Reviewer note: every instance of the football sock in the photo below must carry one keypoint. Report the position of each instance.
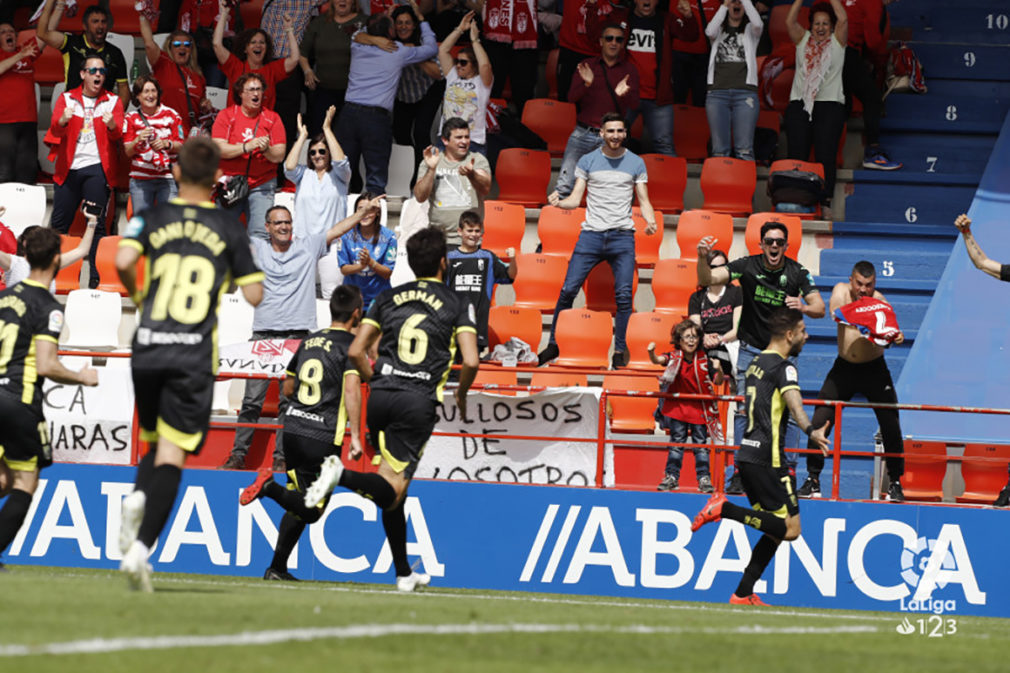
(293, 501)
(144, 469)
(13, 515)
(287, 537)
(766, 522)
(161, 492)
(370, 485)
(760, 557)
(395, 523)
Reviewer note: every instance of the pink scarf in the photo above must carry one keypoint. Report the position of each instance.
(709, 408)
(817, 59)
(511, 21)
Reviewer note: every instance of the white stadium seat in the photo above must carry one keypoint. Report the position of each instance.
(26, 205)
(92, 318)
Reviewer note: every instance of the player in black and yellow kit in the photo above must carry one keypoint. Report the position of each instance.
(30, 324)
(193, 252)
(324, 391)
(418, 325)
(772, 394)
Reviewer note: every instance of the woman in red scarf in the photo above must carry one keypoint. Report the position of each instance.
(816, 113)
(510, 40)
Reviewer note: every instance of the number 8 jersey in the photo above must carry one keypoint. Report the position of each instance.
(192, 255)
(419, 322)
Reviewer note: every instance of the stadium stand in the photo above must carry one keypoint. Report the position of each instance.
(631, 413)
(523, 176)
(694, 225)
(599, 289)
(667, 182)
(504, 226)
(69, 277)
(558, 378)
(92, 318)
(538, 281)
(25, 204)
(552, 120)
(647, 245)
(728, 185)
(752, 235)
(505, 322)
(673, 281)
(923, 478)
(690, 132)
(644, 328)
(983, 476)
(558, 230)
(583, 338)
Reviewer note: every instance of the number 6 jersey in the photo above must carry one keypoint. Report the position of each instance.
(192, 255)
(419, 322)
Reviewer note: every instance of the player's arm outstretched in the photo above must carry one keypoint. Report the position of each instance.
(978, 257)
(48, 364)
(794, 401)
(368, 334)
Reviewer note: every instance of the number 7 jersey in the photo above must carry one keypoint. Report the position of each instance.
(418, 322)
(193, 252)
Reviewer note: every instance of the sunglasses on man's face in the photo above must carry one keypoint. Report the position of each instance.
(613, 38)
(180, 43)
(462, 61)
(313, 153)
(775, 242)
(95, 71)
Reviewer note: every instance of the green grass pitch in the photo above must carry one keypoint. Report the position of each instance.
(56, 619)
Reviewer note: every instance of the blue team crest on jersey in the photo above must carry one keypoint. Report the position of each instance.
(133, 227)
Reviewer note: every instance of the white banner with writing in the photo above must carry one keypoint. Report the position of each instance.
(91, 425)
(267, 356)
(559, 415)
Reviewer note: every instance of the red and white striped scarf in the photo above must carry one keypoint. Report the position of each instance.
(512, 21)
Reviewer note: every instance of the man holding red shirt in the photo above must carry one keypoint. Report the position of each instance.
(86, 125)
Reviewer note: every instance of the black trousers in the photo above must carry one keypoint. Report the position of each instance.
(822, 131)
(520, 66)
(89, 184)
(858, 81)
(19, 148)
(872, 379)
(690, 75)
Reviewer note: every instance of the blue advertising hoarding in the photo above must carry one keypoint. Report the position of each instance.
(864, 556)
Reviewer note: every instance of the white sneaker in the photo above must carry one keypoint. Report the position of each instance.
(132, 515)
(412, 581)
(137, 569)
(329, 476)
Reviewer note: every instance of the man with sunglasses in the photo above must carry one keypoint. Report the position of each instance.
(76, 48)
(605, 83)
(769, 281)
(86, 127)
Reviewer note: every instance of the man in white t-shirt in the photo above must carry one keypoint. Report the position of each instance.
(454, 181)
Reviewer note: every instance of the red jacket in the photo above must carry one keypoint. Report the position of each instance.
(63, 139)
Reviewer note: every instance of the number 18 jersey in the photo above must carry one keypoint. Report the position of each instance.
(418, 322)
(193, 253)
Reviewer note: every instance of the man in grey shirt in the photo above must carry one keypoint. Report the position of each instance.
(613, 175)
(288, 309)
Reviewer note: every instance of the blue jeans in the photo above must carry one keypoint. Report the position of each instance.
(732, 116)
(792, 438)
(616, 247)
(679, 431)
(582, 141)
(367, 131)
(659, 123)
(260, 200)
(147, 193)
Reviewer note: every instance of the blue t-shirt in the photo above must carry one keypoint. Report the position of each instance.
(289, 286)
(319, 204)
(610, 188)
(382, 248)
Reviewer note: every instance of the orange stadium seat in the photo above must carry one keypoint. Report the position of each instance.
(728, 185)
(505, 322)
(797, 165)
(984, 479)
(752, 236)
(504, 226)
(523, 176)
(673, 283)
(923, 478)
(667, 181)
(644, 328)
(538, 282)
(599, 289)
(49, 64)
(690, 132)
(631, 413)
(69, 277)
(583, 338)
(647, 245)
(694, 225)
(557, 378)
(558, 230)
(777, 29)
(497, 376)
(552, 120)
(105, 264)
(127, 20)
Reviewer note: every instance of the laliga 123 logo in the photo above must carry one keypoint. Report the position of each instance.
(914, 561)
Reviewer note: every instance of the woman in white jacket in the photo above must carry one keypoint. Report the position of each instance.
(732, 101)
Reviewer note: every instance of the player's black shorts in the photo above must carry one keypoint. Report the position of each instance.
(770, 489)
(24, 436)
(399, 426)
(304, 456)
(174, 404)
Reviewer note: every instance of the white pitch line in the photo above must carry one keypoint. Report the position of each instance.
(247, 638)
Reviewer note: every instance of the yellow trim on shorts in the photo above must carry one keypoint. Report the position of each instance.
(782, 512)
(30, 465)
(185, 441)
(148, 435)
(398, 465)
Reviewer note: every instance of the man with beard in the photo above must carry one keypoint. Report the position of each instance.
(773, 394)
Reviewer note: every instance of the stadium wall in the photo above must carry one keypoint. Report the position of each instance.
(929, 560)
